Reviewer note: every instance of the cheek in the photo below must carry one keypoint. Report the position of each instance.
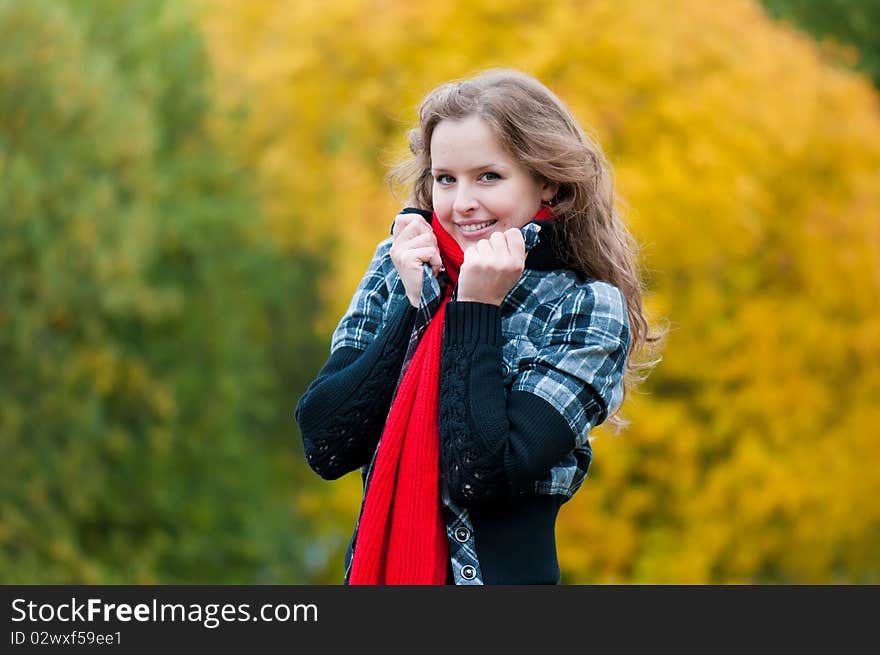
(528, 195)
(441, 203)
(503, 204)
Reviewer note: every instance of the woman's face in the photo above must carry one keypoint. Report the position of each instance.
(478, 187)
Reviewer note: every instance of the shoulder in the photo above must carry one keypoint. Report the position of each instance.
(596, 298)
(594, 311)
(550, 302)
(562, 293)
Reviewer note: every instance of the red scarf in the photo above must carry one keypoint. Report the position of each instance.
(401, 536)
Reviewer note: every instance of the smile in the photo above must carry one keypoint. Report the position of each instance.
(476, 227)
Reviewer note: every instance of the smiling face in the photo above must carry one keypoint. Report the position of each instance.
(479, 188)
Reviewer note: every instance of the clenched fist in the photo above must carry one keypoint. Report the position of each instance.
(413, 244)
(492, 267)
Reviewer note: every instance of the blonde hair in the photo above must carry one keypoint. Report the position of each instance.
(540, 132)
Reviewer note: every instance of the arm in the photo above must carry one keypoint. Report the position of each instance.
(494, 444)
(342, 413)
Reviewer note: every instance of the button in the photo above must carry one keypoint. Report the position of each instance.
(468, 572)
(462, 534)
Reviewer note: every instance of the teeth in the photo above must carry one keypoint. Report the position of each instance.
(474, 228)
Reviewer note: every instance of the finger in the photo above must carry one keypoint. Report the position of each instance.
(427, 240)
(400, 246)
(484, 249)
(516, 244)
(419, 241)
(498, 241)
(408, 224)
(436, 262)
(417, 226)
(412, 230)
(400, 223)
(425, 255)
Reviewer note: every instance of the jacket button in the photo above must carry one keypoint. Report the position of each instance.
(468, 572)
(462, 534)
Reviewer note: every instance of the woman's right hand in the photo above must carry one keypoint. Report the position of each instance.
(413, 244)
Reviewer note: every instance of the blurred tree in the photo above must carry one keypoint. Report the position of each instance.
(751, 165)
(152, 337)
(854, 23)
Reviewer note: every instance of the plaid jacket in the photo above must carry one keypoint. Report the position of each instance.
(565, 340)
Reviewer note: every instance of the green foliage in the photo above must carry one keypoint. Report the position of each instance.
(847, 22)
(151, 337)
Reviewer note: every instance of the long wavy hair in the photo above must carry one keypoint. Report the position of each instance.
(540, 132)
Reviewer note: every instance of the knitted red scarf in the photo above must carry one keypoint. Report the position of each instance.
(401, 537)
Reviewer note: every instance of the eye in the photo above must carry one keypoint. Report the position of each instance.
(490, 176)
(444, 179)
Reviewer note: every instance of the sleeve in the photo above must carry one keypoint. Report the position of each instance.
(495, 443)
(342, 413)
(581, 360)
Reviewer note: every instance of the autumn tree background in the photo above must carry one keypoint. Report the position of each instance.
(189, 193)
(152, 336)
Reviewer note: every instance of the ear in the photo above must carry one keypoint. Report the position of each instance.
(549, 191)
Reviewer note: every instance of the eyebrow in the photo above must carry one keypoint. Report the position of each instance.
(470, 170)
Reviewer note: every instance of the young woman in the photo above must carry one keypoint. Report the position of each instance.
(489, 335)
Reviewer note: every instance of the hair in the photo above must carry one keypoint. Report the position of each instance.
(540, 132)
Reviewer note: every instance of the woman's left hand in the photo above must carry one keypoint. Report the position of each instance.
(492, 267)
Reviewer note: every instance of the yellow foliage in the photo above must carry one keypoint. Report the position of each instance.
(751, 167)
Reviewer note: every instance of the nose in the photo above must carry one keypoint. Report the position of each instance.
(465, 201)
